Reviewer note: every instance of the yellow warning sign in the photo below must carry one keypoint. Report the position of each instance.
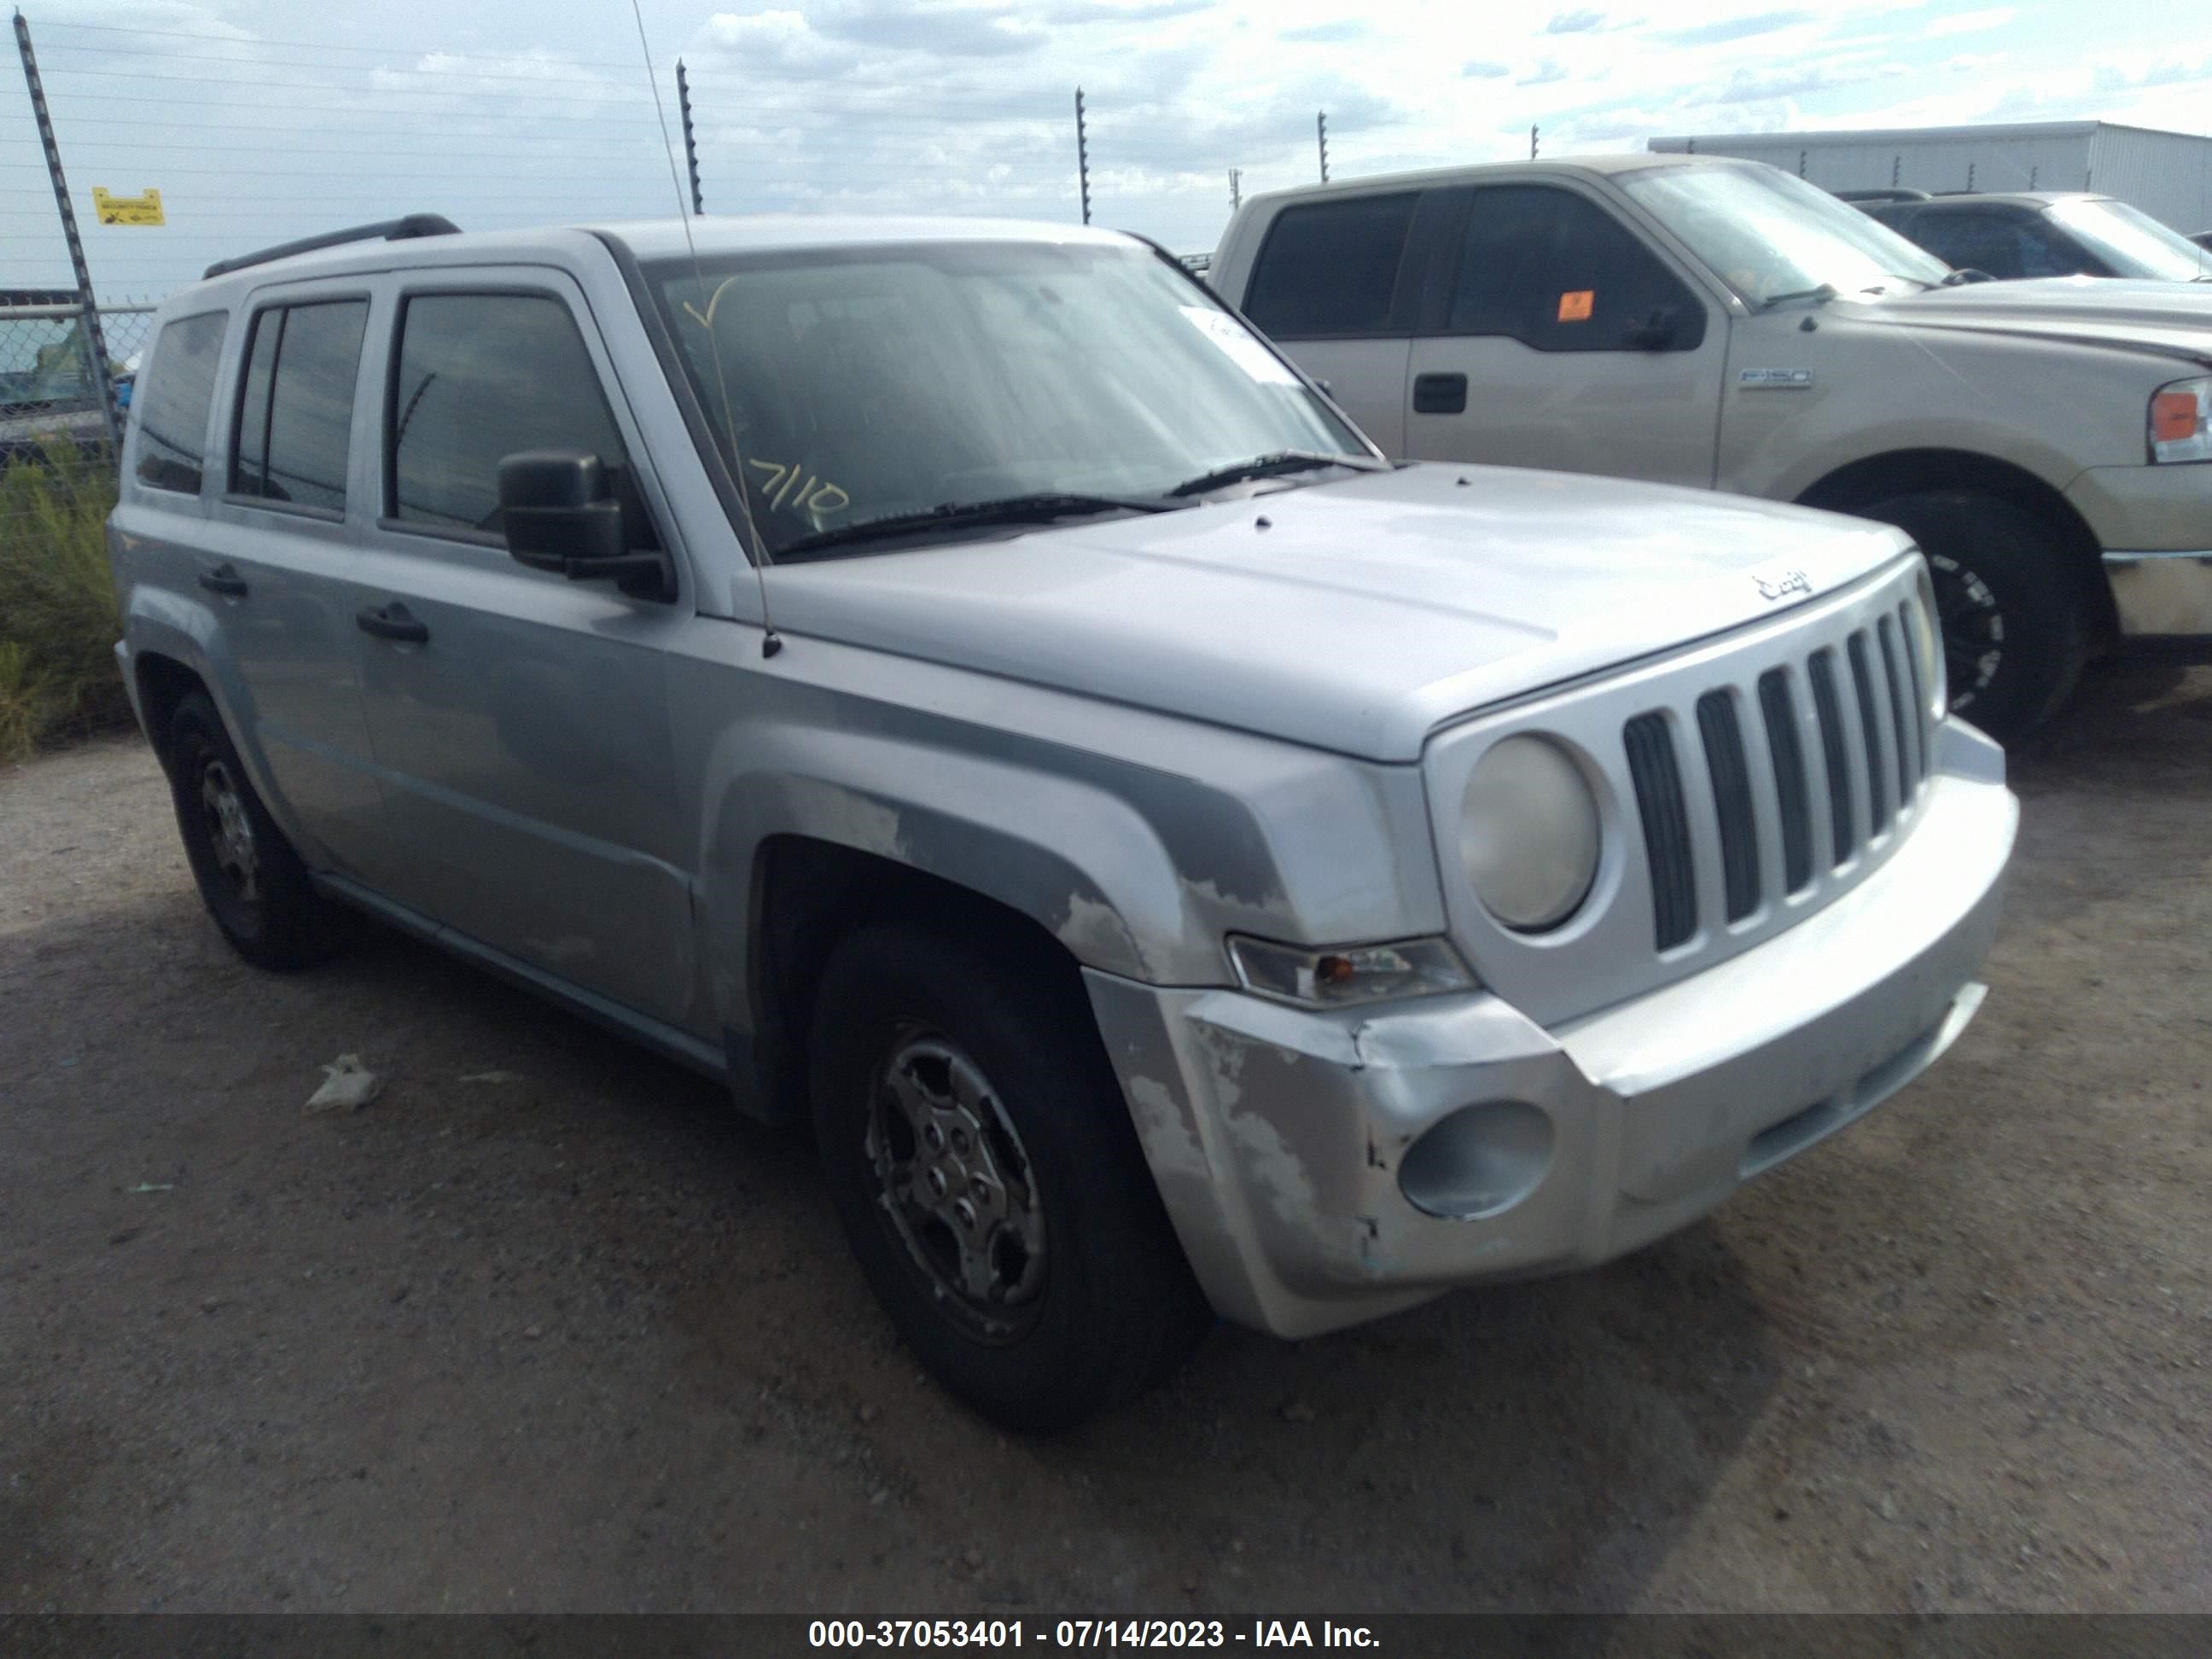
(127, 209)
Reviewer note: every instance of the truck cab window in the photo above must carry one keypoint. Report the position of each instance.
(1330, 267)
(1557, 272)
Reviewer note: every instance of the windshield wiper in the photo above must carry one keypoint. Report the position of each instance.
(1274, 464)
(1041, 506)
(1825, 291)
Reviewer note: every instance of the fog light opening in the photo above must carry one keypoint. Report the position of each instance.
(1479, 1161)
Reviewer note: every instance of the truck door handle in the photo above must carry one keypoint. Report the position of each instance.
(391, 621)
(1439, 394)
(225, 580)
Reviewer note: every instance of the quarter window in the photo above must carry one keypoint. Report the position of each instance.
(1330, 267)
(1557, 273)
(171, 410)
(484, 376)
(295, 403)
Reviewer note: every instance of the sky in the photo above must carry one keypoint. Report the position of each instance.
(263, 121)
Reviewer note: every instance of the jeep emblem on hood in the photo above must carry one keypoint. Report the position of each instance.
(1782, 586)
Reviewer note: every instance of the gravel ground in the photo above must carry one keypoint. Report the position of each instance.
(573, 1336)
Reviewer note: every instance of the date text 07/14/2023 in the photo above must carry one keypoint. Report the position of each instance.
(993, 1633)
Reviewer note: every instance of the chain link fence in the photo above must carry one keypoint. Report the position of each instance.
(57, 486)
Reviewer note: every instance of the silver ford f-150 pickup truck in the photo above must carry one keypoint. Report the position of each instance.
(954, 682)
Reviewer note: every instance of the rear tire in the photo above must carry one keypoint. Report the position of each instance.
(2008, 603)
(251, 880)
(1022, 1251)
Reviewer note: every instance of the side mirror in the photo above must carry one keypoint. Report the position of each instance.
(559, 511)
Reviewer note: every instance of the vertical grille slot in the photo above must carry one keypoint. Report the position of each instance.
(1731, 776)
(1829, 708)
(1908, 744)
(1920, 724)
(1877, 779)
(1789, 779)
(1658, 779)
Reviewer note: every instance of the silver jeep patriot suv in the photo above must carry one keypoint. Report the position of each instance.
(957, 684)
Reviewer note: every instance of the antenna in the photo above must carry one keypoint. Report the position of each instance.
(756, 550)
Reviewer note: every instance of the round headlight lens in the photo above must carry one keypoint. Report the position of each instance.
(1528, 834)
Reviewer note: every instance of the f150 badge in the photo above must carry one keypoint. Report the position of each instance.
(1783, 584)
(1775, 380)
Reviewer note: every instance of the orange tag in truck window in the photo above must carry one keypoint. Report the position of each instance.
(1575, 307)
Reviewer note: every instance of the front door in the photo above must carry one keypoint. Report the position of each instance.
(1560, 340)
(520, 719)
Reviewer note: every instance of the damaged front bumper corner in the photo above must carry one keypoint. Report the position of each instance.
(1279, 1137)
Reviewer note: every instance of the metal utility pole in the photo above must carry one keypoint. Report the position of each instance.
(1970, 178)
(691, 145)
(1320, 132)
(1082, 155)
(95, 342)
(1532, 144)
(1235, 194)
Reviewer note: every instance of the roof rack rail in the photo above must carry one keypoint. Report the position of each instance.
(384, 230)
(1898, 195)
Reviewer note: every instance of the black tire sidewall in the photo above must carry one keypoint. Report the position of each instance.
(1115, 1279)
(2024, 568)
(290, 924)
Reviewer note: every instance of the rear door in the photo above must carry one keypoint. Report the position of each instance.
(1552, 336)
(281, 562)
(519, 719)
(1327, 288)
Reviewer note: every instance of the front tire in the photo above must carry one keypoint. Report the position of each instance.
(2007, 602)
(251, 880)
(983, 1163)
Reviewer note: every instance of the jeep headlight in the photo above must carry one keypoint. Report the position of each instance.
(1528, 834)
(2181, 420)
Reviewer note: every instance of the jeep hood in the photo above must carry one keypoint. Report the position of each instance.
(2172, 319)
(1354, 616)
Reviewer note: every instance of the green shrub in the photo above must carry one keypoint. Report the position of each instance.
(57, 623)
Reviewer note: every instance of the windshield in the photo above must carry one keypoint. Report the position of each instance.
(867, 383)
(2131, 242)
(1769, 234)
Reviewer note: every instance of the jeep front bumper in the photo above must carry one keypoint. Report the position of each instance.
(1277, 1134)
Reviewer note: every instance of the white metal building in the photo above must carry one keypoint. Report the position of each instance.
(2167, 174)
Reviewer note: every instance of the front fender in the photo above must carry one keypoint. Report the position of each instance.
(1136, 839)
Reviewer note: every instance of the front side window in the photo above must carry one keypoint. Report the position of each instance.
(294, 426)
(484, 376)
(1770, 236)
(2131, 242)
(852, 385)
(1557, 273)
(1330, 267)
(171, 403)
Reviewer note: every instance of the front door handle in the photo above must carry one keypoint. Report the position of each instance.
(225, 580)
(391, 621)
(1439, 394)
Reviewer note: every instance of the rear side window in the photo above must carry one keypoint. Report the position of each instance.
(295, 403)
(1329, 268)
(1557, 273)
(484, 376)
(172, 408)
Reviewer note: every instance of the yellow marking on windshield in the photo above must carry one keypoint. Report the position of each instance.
(783, 488)
(713, 299)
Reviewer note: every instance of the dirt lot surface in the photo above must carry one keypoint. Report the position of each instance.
(578, 1338)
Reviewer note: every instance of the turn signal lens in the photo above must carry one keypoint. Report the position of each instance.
(1349, 973)
(2181, 422)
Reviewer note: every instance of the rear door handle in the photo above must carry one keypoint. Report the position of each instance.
(225, 580)
(1439, 394)
(391, 621)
